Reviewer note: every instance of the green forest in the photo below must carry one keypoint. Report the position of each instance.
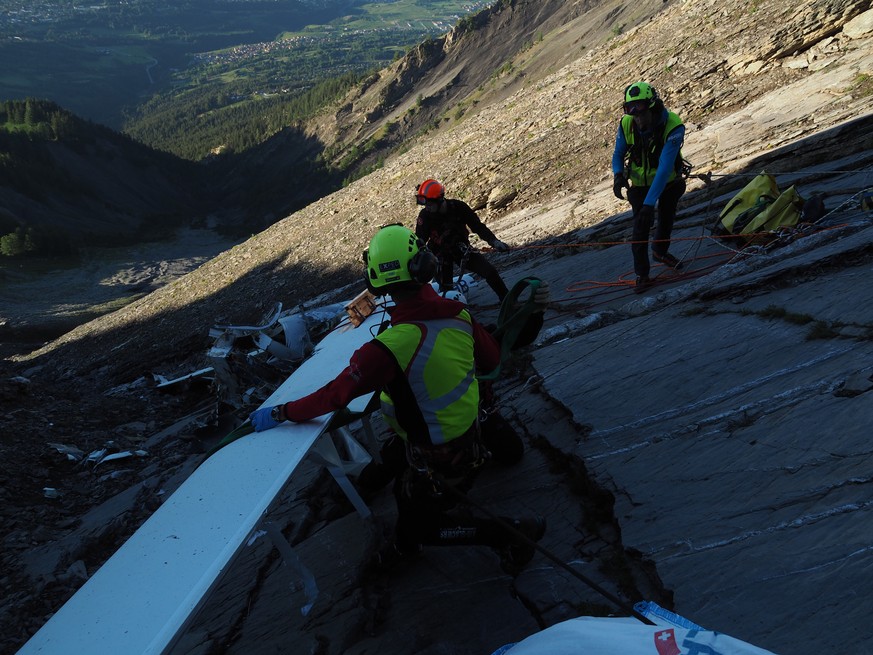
(28, 130)
(27, 168)
(193, 77)
(211, 119)
(186, 81)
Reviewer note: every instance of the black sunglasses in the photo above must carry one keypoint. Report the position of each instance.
(636, 107)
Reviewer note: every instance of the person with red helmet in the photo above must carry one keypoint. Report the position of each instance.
(647, 161)
(445, 226)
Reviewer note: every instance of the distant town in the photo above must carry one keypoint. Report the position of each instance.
(18, 14)
(25, 13)
(328, 35)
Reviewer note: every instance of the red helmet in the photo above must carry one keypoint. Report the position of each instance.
(429, 190)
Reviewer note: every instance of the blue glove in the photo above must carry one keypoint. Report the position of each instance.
(262, 419)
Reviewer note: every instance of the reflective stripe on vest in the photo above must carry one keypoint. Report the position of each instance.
(642, 173)
(437, 358)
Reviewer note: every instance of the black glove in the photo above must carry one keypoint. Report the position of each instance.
(647, 216)
(619, 182)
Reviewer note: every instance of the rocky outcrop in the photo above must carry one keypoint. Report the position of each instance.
(437, 80)
(405, 77)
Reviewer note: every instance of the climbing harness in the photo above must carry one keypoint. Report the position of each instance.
(446, 259)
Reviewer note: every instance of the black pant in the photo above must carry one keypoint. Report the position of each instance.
(428, 513)
(501, 440)
(475, 263)
(667, 204)
(503, 443)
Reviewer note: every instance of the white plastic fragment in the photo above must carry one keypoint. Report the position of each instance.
(71, 452)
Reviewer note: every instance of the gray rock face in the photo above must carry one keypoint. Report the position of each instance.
(737, 464)
(703, 445)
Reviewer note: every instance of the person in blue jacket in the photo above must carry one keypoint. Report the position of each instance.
(647, 161)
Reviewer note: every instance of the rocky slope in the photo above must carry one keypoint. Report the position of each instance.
(549, 140)
(436, 84)
(535, 163)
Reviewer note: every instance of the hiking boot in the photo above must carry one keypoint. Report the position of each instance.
(515, 556)
(642, 283)
(667, 260)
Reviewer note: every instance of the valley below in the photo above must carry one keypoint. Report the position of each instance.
(39, 305)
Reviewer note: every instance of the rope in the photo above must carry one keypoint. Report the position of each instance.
(621, 284)
(835, 172)
(238, 433)
(625, 280)
(595, 244)
(512, 318)
(529, 542)
(841, 205)
(720, 240)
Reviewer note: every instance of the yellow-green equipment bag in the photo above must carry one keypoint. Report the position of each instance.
(784, 211)
(759, 207)
(750, 201)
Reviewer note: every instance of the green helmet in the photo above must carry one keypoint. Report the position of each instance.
(397, 255)
(639, 94)
(640, 91)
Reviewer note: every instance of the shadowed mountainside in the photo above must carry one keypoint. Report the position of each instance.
(69, 177)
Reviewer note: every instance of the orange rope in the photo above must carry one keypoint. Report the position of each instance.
(601, 288)
(595, 244)
(625, 283)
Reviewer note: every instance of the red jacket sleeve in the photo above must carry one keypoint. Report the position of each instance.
(486, 350)
(369, 370)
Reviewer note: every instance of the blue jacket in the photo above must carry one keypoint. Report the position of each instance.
(672, 144)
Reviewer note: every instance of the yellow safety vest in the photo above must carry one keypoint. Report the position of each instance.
(436, 356)
(643, 163)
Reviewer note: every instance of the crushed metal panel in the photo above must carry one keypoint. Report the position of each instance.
(249, 361)
(242, 330)
(163, 382)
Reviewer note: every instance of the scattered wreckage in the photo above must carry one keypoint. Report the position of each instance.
(248, 361)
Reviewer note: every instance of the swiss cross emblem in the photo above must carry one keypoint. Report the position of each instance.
(665, 642)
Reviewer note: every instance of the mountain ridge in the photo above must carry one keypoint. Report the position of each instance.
(534, 154)
(439, 81)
